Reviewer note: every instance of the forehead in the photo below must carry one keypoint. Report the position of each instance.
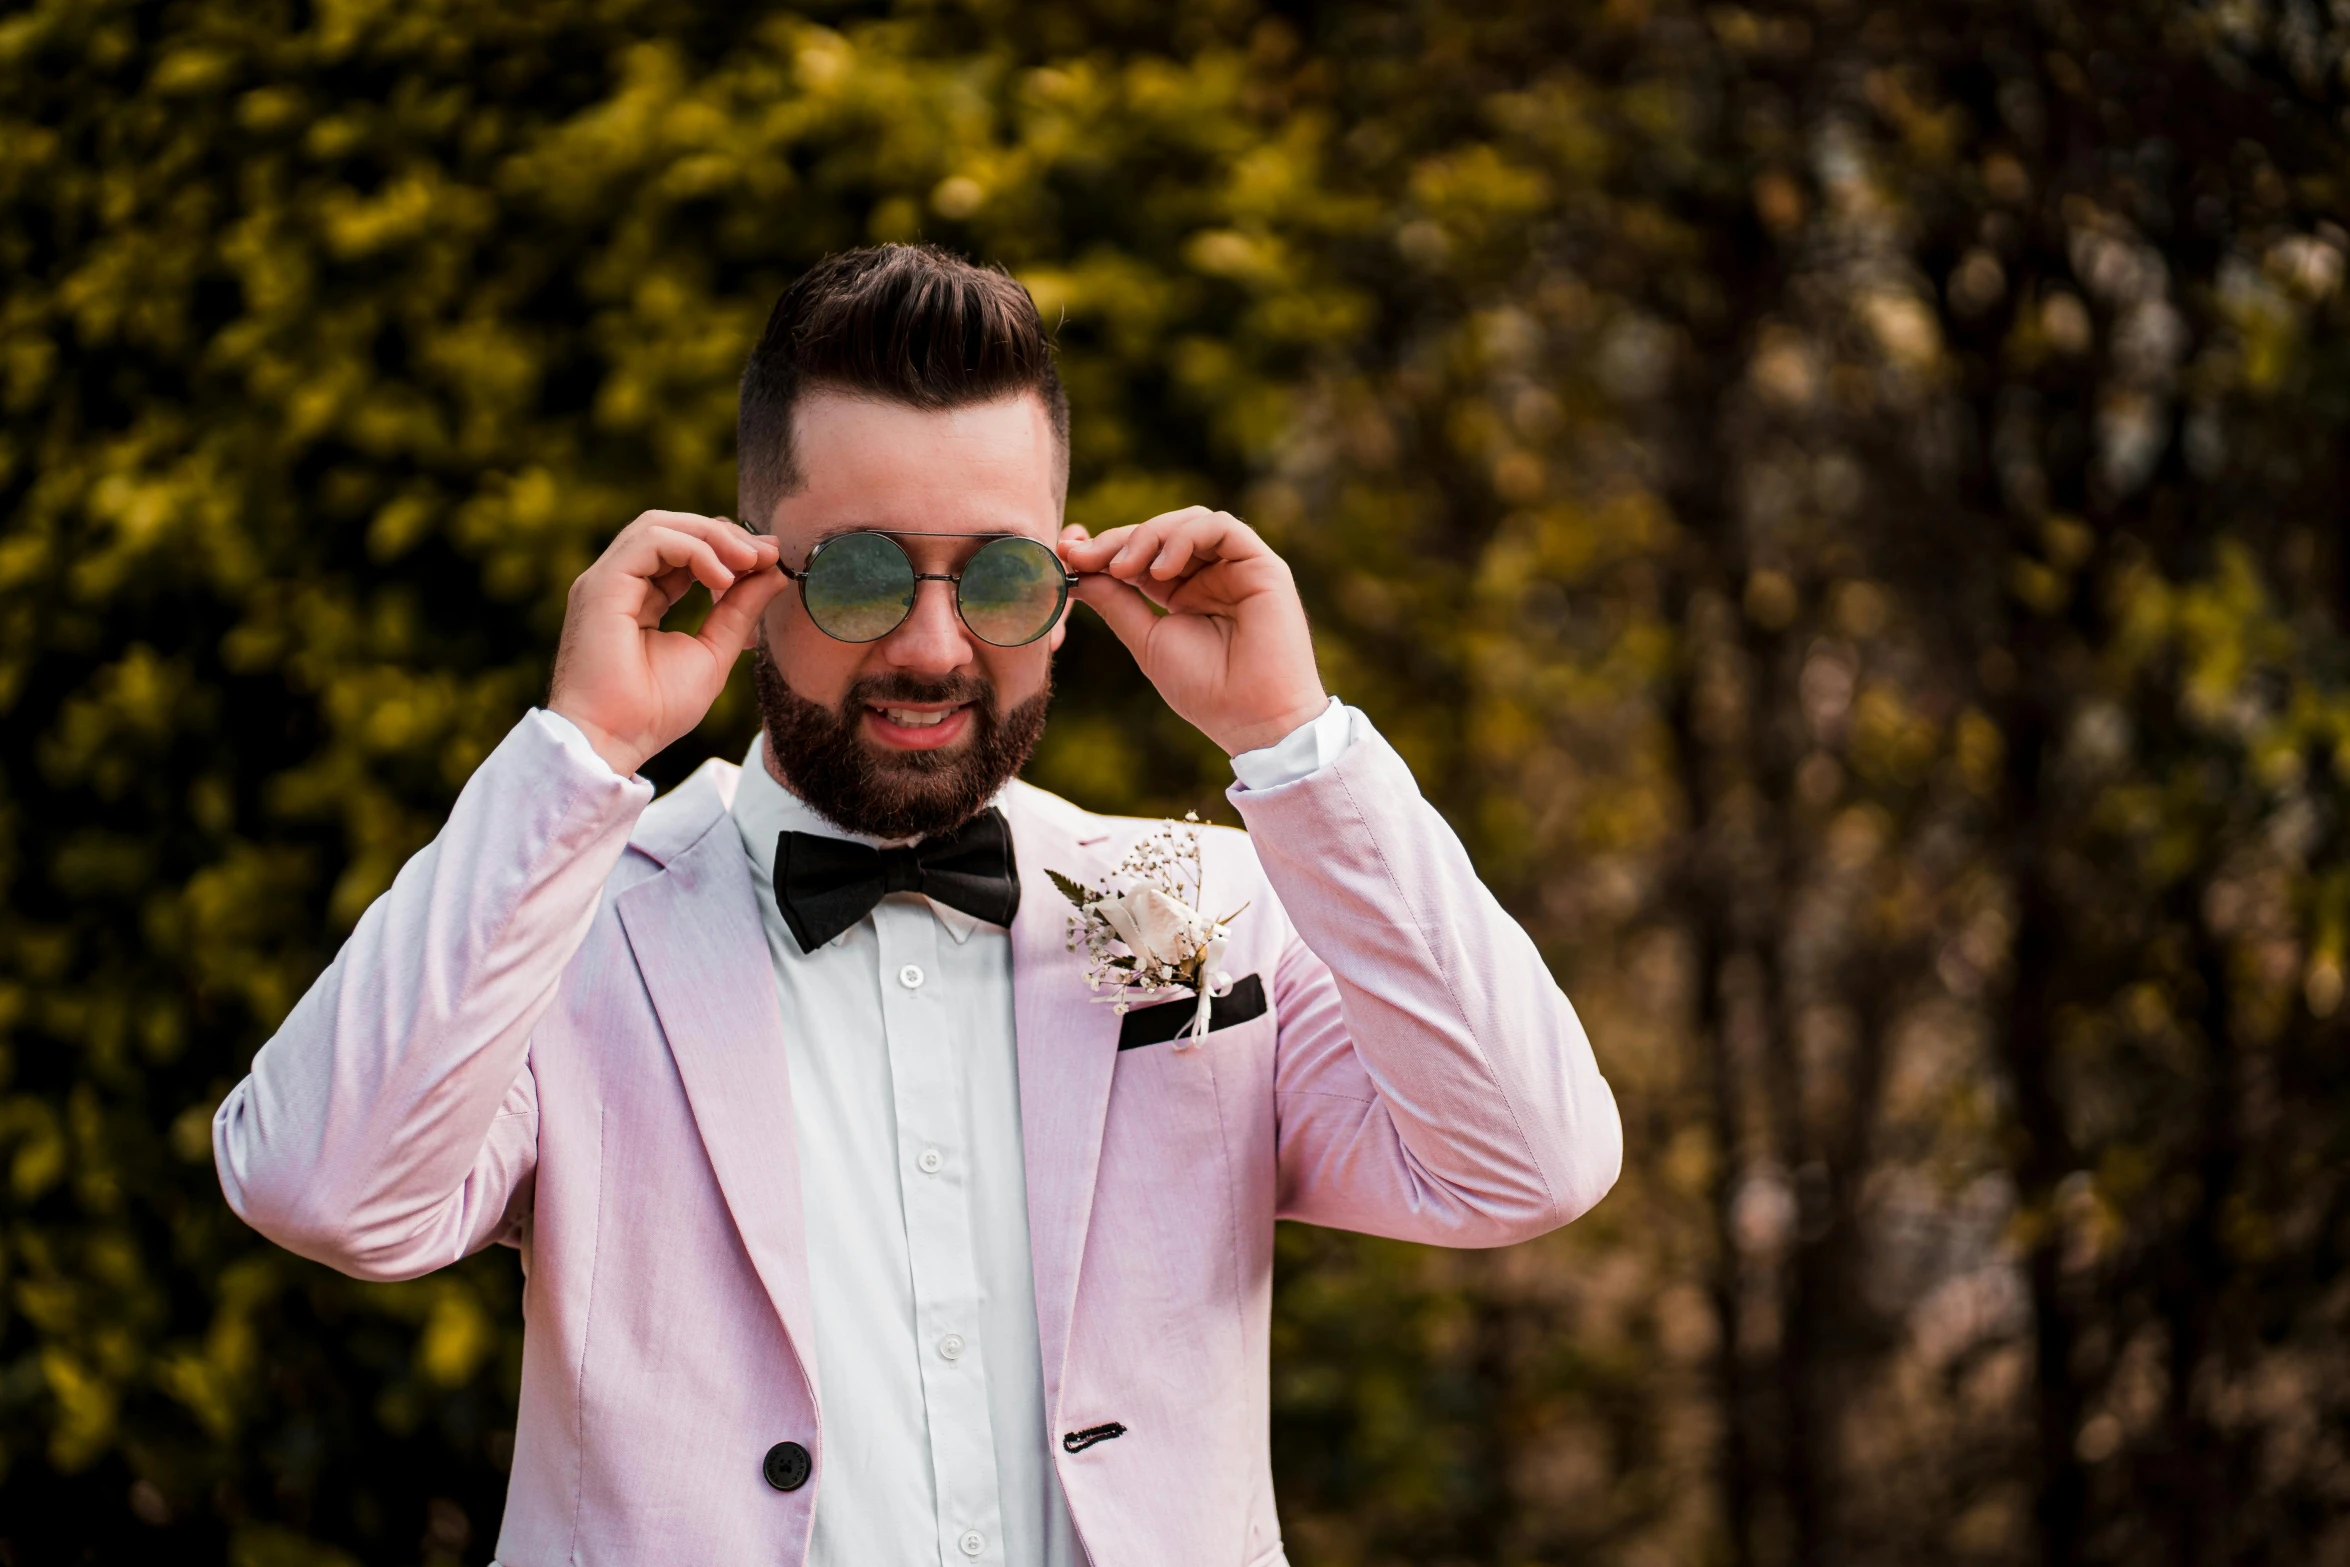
(985, 468)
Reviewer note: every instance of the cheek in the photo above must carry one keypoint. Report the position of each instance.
(1018, 673)
(813, 664)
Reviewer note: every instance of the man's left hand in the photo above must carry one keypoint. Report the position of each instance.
(1231, 655)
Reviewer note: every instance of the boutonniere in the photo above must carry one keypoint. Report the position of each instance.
(1151, 938)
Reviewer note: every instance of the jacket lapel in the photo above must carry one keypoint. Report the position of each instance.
(695, 932)
(1068, 1047)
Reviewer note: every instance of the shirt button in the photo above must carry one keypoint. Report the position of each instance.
(932, 1161)
(911, 976)
(973, 1542)
(952, 1348)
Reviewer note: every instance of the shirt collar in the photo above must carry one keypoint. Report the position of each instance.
(765, 809)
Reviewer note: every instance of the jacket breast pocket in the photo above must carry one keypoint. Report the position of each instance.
(1171, 1020)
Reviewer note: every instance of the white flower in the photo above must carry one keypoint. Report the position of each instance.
(1157, 929)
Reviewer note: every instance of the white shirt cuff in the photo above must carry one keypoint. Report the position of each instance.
(567, 734)
(1303, 752)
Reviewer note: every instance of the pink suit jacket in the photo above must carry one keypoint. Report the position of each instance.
(559, 1029)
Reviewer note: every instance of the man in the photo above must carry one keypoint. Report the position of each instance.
(857, 1231)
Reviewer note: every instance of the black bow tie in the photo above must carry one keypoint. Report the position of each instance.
(825, 885)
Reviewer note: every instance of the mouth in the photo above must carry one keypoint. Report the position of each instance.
(918, 726)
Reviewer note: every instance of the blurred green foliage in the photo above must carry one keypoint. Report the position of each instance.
(1841, 505)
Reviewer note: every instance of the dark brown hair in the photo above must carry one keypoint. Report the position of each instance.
(908, 324)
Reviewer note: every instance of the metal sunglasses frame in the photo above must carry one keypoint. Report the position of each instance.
(1068, 579)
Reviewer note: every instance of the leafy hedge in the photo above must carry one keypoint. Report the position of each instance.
(1843, 508)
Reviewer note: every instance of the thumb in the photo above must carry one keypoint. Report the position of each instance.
(1130, 617)
(728, 625)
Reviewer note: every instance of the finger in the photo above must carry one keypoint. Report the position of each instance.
(1208, 537)
(651, 554)
(657, 596)
(1126, 552)
(728, 626)
(671, 586)
(1144, 543)
(738, 548)
(1221, 587)
(1150, 587)
(1167, 546)
(742, 550)
(728, 537)
(1175, 551)
(1129, 615)
(1093, 554)
(1133, 576)
(655, 551)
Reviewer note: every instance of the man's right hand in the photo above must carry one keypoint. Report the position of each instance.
(630, 686)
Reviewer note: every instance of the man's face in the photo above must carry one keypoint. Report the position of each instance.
(912, 734)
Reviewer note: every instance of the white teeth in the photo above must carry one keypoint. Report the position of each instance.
(907, 718)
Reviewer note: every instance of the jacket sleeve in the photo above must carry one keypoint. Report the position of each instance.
(390, 1125)
(1432, 1082)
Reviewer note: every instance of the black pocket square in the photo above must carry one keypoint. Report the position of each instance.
(1155, 1025)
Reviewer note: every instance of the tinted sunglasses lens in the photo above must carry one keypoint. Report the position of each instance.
(859, 587)
(1011, 591)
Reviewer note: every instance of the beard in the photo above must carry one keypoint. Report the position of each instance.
(824, 756)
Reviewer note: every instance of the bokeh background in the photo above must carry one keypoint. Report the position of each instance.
(1839, 500)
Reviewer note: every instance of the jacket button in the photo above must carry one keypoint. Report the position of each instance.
(786, 1466)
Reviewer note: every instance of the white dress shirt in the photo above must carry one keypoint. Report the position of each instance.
(906, 1103)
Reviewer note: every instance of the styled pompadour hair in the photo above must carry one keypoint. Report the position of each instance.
(909, 324)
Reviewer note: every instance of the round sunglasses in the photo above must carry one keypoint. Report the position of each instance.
(859, 587)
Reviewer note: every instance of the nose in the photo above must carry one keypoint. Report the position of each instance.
(932, 639)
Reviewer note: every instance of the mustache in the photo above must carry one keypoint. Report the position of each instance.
(904, 686)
